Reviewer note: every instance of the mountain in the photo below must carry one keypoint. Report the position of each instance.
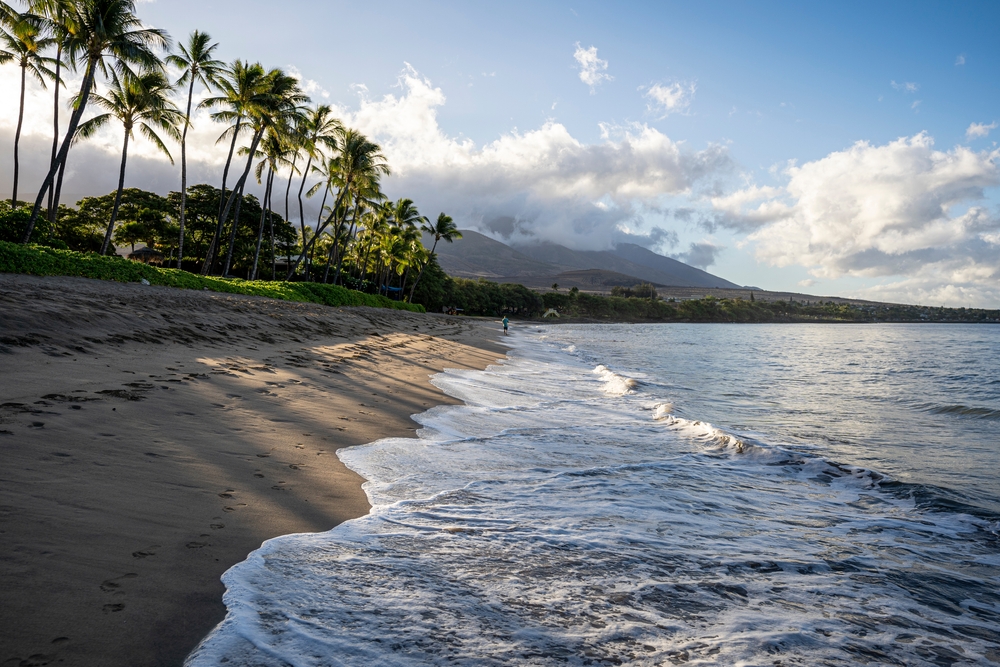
(639, 262)
(479, 256)
(688, 275)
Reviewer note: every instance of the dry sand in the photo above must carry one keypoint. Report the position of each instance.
(151, 437)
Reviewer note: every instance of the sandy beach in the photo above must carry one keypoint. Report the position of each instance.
(152, 437)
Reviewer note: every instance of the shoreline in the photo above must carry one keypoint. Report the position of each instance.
(152, 437)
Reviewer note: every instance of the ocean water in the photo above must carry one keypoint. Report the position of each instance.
(663, 494)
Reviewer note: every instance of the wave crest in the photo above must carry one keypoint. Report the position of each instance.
(615, 384)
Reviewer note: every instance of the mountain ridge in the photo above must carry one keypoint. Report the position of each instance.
(479, 256)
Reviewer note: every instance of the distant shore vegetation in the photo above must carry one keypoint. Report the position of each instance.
(442, 293)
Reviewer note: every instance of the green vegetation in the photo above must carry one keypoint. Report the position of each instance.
(710, 309)
(482, 297)
(359, 239)
(46, 261)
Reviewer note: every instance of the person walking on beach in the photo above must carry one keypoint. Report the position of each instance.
(505, 323)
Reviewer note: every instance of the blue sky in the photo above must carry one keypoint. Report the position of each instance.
(672, 124)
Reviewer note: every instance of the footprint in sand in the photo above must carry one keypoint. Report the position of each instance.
(114, 585)
(112, 608)
(217, 526)
(147, 552)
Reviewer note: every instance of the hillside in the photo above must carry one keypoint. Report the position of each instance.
(478, 256)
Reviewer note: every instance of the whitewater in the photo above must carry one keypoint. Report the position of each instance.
(662, 494)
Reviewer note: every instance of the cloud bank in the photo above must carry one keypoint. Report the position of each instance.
(552, 185)
(902, 210)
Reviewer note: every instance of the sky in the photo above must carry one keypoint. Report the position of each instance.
(845, 148)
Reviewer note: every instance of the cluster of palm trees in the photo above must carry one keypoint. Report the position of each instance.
(270, 128)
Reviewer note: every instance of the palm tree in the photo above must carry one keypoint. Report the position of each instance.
(279, 101)
(135, 101)
(239, 86)
(56, 16)
(23, 43)
(317, 130)
(357, 162)
(103, 29)
(197, 65)
(275, 152)
(445, 229)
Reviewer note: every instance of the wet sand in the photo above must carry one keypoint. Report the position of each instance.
(151, 437)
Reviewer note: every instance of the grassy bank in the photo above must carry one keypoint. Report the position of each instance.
(44, 261)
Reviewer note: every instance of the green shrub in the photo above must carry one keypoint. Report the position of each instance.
(43, 261)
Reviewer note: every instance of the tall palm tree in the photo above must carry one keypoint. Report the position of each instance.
(275, 152)
(23, 42)
(242, 86)
(56, 15)
(445, 229)
(196, 63)
(141, 101)
(357, 161)
(318, 130)
(104, 30)
(280, 101)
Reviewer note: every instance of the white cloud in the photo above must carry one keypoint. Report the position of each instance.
(670, 98)
(915, 105)
(960, 60)
(557, 187)
(906, 87)
(979, 130)
(593, 70)
(902, 209)
(309, 86)
(808, 282)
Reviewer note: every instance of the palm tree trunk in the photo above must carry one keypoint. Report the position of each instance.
(238, 188)
(74, 122)
(402, 285)
(260, 230)
(184, 171)
(302, 215)
(17, 137)
(59, 182)
(270, 222)
(118, 196)
(55, 124)
(340, 255)
(421, 274)
(288, 188)
(232, 231)
(307, 247)
(319, 218)
(210, 253)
